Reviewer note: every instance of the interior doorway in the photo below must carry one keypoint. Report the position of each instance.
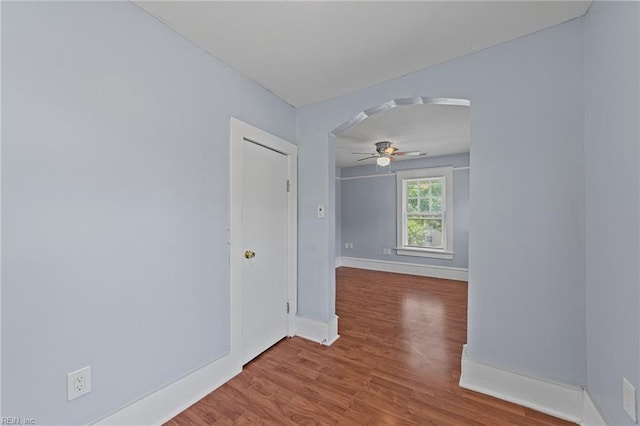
(263, 236)
(386, 150)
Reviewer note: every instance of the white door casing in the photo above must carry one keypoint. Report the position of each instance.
(263, 219)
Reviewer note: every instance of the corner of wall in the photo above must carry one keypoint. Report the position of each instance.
(317, 331)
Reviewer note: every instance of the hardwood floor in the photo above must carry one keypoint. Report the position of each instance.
(397, 362)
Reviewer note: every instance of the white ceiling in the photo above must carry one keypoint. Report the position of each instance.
(309, 51)
(434, 129)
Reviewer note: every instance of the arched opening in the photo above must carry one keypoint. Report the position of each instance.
(408, 214)
(406, 134)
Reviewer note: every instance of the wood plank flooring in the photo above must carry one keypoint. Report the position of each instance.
(397, 362)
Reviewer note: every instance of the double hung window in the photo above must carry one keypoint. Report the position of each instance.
(425, 220)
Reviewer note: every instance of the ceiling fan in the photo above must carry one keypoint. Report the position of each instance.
(385, 153)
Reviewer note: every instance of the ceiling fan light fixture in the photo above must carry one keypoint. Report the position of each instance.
(383, 161)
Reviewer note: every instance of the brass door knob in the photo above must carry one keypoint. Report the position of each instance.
(249, 254)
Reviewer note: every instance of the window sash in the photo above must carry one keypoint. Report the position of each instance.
(426, 237)
(429, 197)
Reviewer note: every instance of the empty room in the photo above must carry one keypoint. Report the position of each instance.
(320, 212)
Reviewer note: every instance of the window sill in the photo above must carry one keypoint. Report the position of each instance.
(418, 252)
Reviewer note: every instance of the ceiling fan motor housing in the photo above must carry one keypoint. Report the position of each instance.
(381, 146)
(385, 147)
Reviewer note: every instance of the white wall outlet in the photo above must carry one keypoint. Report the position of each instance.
(386, 251)
(78, 383)
(629, 399)
(350, 245)
(320, 210)
(346, 245)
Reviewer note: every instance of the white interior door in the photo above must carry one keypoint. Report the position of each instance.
(265, 242)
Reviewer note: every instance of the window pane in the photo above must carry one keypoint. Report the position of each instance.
(416, 233)
(424, 205)
(436, 205)
(412, 205)
(436, 187)
(424, 232)
(424, 188)
(412, 189)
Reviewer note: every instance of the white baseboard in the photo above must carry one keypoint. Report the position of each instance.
(317, 331)
(567, 402)
(338, 262)
(332, 334)
(563, 401)
(590, 414)
(446, 272)
(162, 405)
(556, 399)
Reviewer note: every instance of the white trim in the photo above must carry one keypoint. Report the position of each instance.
(366, 176)
(394, 103)
(332, 332)
(425, 172)
(455, 169)
(263, 138)
(590, 414)
(556, 399)
(162, 405)
(420, 252)
(446, 272)
(338, 262)
(318, 331)
(240, 131)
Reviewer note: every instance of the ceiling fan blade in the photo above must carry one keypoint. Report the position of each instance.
(409, 153)
(368, 158)
(364, 153)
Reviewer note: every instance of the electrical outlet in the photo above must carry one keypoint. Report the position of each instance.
(386, 252)
(78, 383)
(629, 399)
(350, 245)
(346, 245)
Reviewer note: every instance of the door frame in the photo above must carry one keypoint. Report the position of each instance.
(240, 131)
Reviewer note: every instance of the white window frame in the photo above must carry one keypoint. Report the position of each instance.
(401, 196)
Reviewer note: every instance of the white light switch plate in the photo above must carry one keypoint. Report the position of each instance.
(629, 399)
(320, 210)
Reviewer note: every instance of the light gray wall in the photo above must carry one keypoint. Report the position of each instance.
(526, 245)
(368, 211)
(612, 140)
(115, 147)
